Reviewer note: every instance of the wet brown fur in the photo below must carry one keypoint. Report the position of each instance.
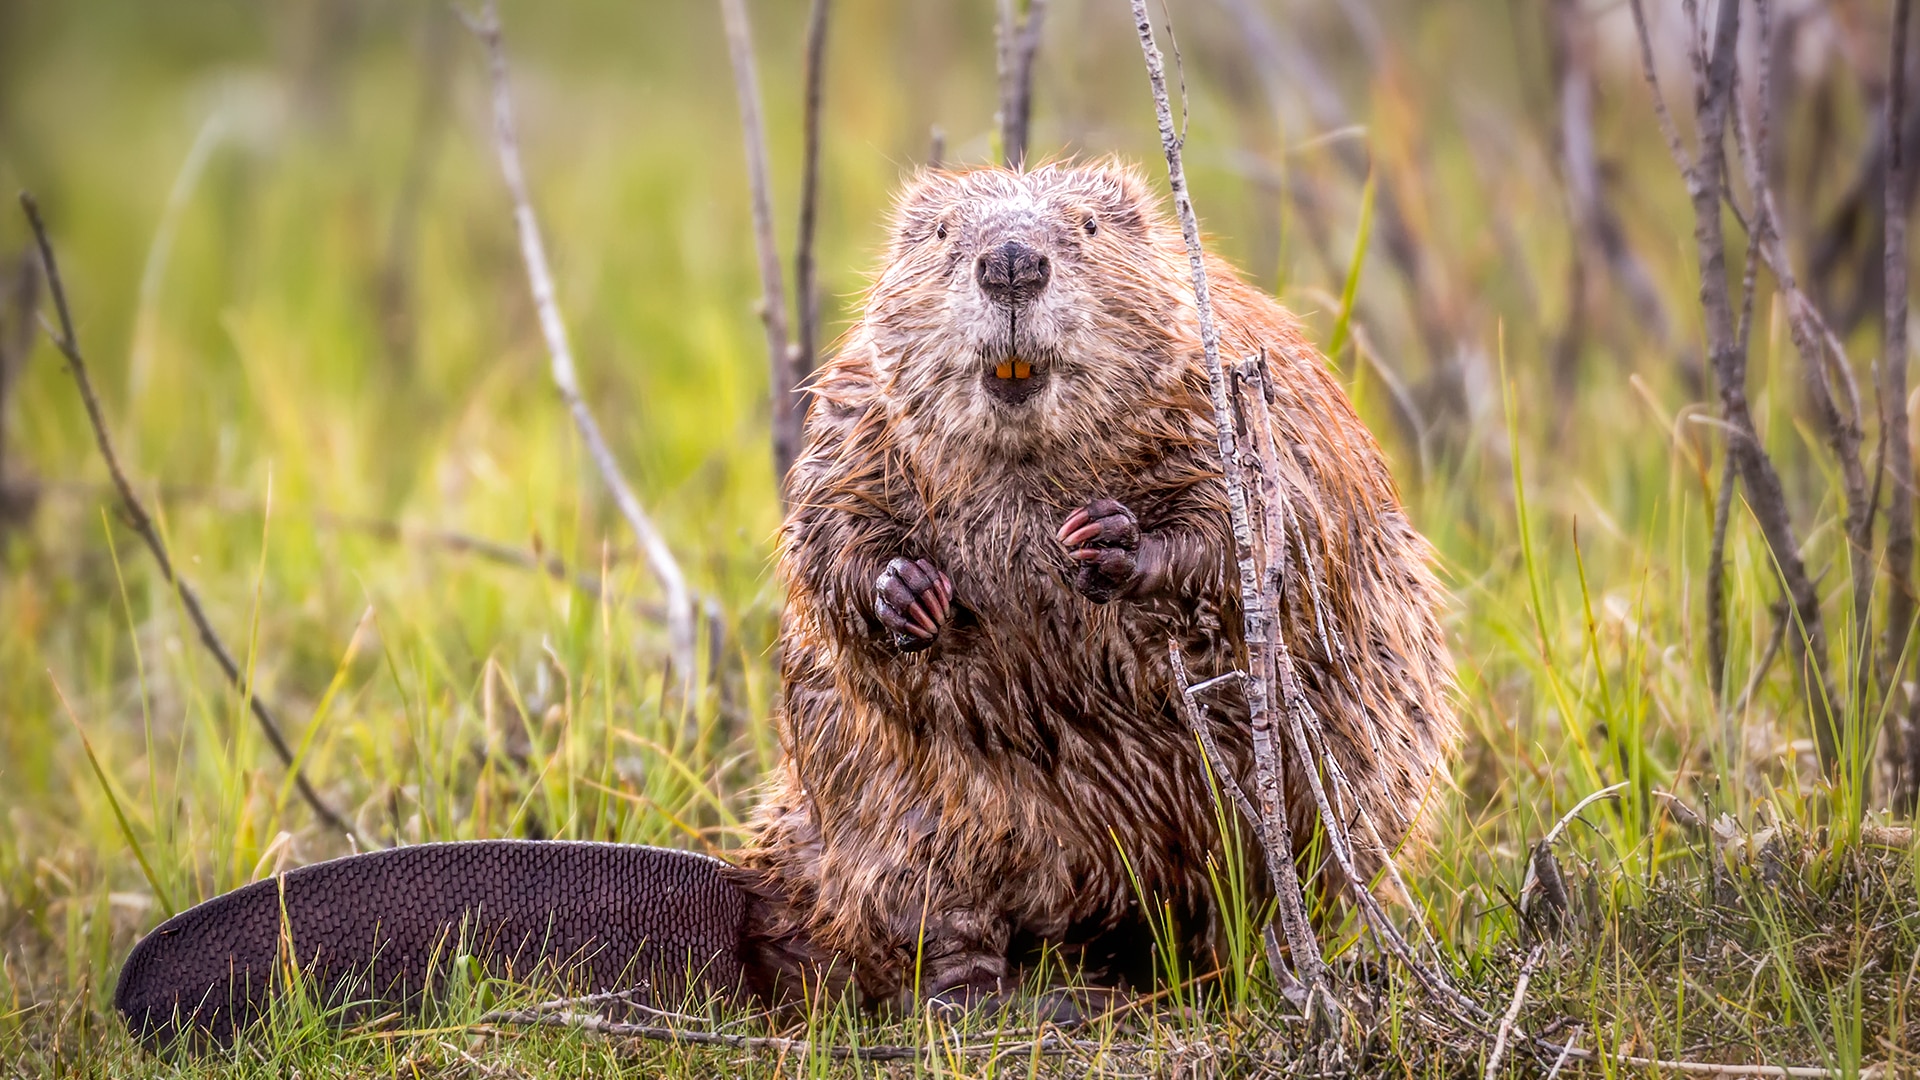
(939, 812)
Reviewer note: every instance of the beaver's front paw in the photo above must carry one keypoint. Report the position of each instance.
(913, 601)
(1103, 538)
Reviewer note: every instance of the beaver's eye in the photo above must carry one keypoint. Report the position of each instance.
(940, 231)
(1090, 225)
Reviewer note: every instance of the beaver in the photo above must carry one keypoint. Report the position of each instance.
(1008, 501)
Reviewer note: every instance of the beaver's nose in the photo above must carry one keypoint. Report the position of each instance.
(1012, 273)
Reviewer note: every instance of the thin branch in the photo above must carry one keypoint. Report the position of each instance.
(1824, 360)
(19, 297)
(69, 345)
(1565, 1052)
(1196, 717)
(1766, 497)
(1767, 655)
(806, 293)
(1667, 131)
(782, 360)
(1709, 1068)
(1567, 818)
(1893, 404)
(1593, 216)
(1717, 576)
(1275, 834)
(1272, 659)
(1513, 1011)
(1019, 41)
(1051, 1044)
(1195, 713)
(679, 602)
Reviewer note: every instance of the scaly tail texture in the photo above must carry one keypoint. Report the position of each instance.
(385, 928)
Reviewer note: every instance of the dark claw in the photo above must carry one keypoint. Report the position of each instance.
(1103, 538)
(913, 599)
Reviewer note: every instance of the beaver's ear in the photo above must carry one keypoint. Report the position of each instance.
(919, 207)
(1123, 194)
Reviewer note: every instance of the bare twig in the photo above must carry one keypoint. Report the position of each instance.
(1847, 233)
(1566, 819)
(785, 375)
(1272, 659)
(525, 557)
(1186, 700)
(1893, 406)
(1592, 215)
(1049, 1044)
(1196, 717)
(1513, 1011)
(1823, 363)
(1729, 479)
(1710, 1068)
(1717, 577)
(1565, 1052)
(679, 602)
(1767, 655)
(1275, 835)
(69, 345)
(1647, 70)
(1019, 40)
(1705, 177)
(627, 998)
(19, 297)
(936, 147)
(806, 293)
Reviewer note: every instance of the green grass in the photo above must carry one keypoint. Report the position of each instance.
(306, 355)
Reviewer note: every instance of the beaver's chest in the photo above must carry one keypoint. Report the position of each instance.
(1026, 662)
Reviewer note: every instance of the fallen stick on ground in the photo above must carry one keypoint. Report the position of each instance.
(69, 345)
(679, 602)
(1513, 1011)
(1051, 1044)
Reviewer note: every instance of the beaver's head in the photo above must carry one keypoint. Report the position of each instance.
(1022, 310)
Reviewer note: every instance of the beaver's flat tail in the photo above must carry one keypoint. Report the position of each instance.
(385, 927)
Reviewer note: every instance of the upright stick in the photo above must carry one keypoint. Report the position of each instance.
(533, 251)
(782, 361)
(1019, 43)
(1275, 834)
(806, 295)
(1705, 176)
(1893, 399)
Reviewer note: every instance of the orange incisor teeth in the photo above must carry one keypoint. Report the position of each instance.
(1004, 370)
(1021, 370)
